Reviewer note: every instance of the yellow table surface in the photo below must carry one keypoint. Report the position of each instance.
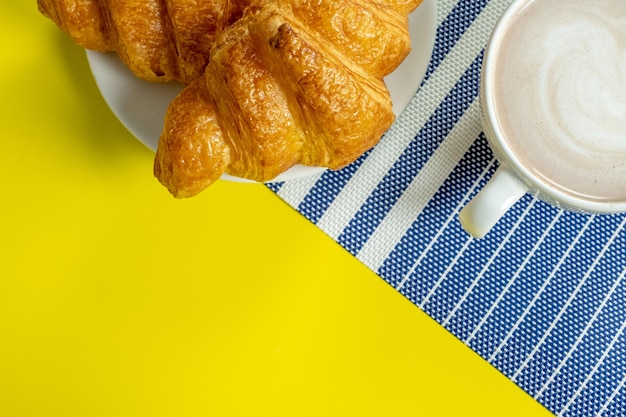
(118, 300)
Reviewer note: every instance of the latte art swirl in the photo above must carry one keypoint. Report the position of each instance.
(562, 94)
(582, 85)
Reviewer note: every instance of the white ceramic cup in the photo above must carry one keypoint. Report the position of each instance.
(517, 173)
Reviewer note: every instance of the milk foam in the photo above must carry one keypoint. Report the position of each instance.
(561, 85)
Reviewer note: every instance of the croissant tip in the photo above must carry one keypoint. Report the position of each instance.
(179, 186)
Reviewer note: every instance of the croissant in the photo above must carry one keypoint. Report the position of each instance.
(270, 84)
(158, 40)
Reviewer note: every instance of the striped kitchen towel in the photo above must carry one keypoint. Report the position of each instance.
(542, 297)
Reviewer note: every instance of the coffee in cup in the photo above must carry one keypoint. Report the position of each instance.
(553, 99)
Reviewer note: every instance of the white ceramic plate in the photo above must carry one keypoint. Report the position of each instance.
(141, 105)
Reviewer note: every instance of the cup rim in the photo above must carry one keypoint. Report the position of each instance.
(504, 153)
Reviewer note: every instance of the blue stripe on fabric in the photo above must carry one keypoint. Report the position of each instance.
(585, 305)
(549, 300)
(597, 338)
(599, 389)
(326, 189)
(519, 297)
(575, 317)
(617, 408)
(427, 268)
(462, 272)
(429, 223)
(494, 276)
(520, 303)
(427, 276)
(560, 338)
(412, 160)
(501, 312)
(611, 372)
(452, 29)
(274, 186)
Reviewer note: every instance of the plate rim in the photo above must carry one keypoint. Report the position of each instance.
(106, 69)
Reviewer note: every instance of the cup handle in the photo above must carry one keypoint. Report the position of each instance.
(489, 205)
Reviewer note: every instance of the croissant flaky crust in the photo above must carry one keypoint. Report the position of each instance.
(270, 84)
(159, 40)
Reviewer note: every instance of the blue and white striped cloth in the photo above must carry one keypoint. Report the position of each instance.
(542, 297)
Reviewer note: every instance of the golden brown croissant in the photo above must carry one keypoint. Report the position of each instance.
(160, 40)
(282, 82)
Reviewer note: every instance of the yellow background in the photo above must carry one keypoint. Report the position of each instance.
(117, 300)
